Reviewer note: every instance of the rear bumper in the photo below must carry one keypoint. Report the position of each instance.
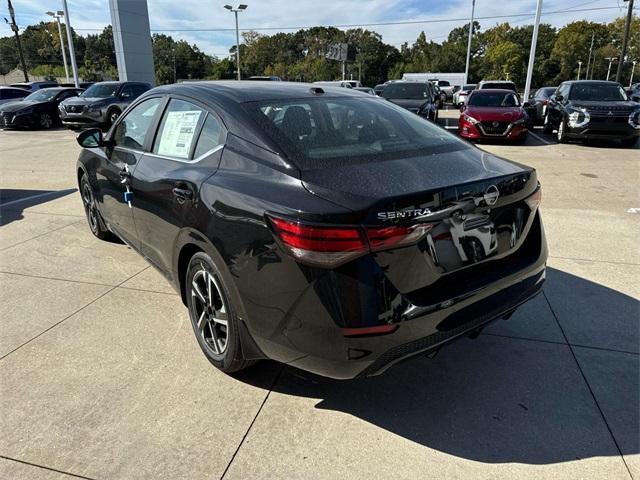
(306, 334)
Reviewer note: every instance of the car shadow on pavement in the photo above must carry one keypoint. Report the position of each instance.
(14, 201)
(500, 399)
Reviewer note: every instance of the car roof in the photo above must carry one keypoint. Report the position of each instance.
(594, 82)
(60, 88)
(247, 91)
(7, 87)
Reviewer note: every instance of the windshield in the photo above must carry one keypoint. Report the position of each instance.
(605, 92)
(413, 91)
(101, 91)
(318, 131)
(505, 100)
(42, 95)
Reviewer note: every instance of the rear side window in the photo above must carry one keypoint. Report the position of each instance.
(210, 136)
(318, 131)
(177, 133)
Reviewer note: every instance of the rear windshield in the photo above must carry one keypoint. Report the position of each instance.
(507, 85)
(606, 92)
(318, 132)
(468, 87)
(411, 91)
(484, 99)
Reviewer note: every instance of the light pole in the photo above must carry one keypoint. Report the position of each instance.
(625, 40)
(235, 10)
(466, 68)
(633, 69)
(579, 68)
(58, 16)
(72, 51)
(611, 59)
(532, 52)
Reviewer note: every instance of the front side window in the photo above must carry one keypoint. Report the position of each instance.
(132, 129)
(177, 132)
(317, 132)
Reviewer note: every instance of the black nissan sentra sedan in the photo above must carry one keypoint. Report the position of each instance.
(317, 226)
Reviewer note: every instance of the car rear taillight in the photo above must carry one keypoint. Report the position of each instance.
(534, 199)
(332, 246)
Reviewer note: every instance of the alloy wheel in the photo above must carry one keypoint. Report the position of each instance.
(209, 310)
(90, 206)
(46, 121)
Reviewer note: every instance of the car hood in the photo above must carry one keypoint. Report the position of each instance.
(19, 105)
(409, 102)
(492, 114)
(87, 100)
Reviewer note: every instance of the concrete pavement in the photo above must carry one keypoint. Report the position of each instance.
(101, 377)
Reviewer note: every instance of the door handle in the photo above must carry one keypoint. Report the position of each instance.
(125, 176)
(182, 194)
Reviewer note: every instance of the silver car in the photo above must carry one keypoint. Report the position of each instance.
(462, 95)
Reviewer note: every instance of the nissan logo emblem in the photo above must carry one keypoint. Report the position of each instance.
(496, 124)
(491, 195)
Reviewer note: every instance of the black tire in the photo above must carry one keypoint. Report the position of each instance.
(521, 140)
(112, 116)
(562, 131)
(629, 142)
(96, 224)
(547, 127)
(208, 310)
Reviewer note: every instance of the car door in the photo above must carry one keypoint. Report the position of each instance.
(130, 138)
(186, 151)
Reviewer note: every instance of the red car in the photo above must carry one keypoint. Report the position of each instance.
(493, 114)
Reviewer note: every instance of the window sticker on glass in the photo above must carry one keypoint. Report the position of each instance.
(178, 133)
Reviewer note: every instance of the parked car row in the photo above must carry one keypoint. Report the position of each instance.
(99, 105)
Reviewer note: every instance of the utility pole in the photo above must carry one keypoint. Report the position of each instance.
(532, 53)
(625, 40)
(72, 51)
(579, 67)
(633, 69)
(14, 27)
(586, 75)
(466, 68)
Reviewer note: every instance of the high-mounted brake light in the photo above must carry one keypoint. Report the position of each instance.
(331, 246)
(534, 199)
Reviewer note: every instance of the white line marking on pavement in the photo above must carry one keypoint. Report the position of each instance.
(633, 210)
(539, 138)
(32, 197)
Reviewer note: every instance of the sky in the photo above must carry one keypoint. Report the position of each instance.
(437, 17)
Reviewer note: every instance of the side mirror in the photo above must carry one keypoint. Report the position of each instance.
(463, 108)
(526, 105)
(558, 98)
(91, 138)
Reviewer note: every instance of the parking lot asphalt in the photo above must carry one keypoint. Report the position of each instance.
(101, 376)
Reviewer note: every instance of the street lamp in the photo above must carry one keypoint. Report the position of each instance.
(58, 15)
(235, 10)
(633, 69)
(579, 68)
(611, 59)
